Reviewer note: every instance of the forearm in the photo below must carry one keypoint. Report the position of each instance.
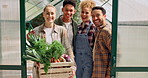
(70, 53)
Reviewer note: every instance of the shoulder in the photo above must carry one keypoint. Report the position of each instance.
(106, 30)
(38, 28)
(34, 31)
(59, 28)
(74, 22)
(109, 25)
(58, 21)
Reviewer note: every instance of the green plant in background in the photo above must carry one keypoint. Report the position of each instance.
(76, 16)
(37, 21)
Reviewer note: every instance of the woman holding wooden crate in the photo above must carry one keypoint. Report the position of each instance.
(50, 31)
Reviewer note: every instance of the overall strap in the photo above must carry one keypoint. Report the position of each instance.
(87, 30)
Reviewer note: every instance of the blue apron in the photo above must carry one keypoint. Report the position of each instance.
(83, 55)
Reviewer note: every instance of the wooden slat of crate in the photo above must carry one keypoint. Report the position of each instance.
(29, 65)
(57, 70)
(62, 75)
(59, 64)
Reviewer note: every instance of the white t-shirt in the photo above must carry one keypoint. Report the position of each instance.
(68, 26)
(48, 32)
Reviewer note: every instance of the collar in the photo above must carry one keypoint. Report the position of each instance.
(100, 27)
(84, 25)
(41, 29)
(62, 22)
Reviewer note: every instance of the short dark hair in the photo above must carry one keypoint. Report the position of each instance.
(72, 2)
(99, 8)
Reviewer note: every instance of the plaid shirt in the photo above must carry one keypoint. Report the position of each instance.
(82, 30)
(102, 53)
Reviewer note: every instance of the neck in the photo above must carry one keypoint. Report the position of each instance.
(49, 25)
(101, 26)
(66, 20)
(86, 21)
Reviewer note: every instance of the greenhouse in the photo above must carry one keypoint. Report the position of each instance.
(129, 19)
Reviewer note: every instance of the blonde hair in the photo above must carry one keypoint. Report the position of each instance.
(48, 6)
(87, 4)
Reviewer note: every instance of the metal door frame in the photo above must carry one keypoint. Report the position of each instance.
(21, 67)
(114, 68)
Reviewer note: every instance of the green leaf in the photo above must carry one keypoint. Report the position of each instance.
(40, 51)
(31, 58)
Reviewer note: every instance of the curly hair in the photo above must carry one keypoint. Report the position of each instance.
(87, 4)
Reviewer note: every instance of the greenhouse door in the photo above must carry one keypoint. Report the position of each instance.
(12, 39)
(130, 39)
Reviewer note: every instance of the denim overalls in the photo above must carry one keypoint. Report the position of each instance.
(83, 56)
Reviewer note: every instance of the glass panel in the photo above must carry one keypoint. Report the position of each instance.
(10, 74)
(32, 10)
(35, 7)
(133, 42)
(108, 7)
(132, 75)
(10, 32)
(107, 4)
(133, 10)
(132, 33)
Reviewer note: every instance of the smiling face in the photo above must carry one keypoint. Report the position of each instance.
(85, 14)
(98, 18)
(49, 14)
(68, 12)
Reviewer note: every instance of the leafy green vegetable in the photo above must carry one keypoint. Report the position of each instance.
(38, 50)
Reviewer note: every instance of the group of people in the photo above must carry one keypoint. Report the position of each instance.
(88, 44)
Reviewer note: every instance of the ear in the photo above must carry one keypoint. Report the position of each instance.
(75, 11)
(43, 14)
(62, 9)
(104, 15)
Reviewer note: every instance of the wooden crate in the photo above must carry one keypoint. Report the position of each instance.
(57, 70)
